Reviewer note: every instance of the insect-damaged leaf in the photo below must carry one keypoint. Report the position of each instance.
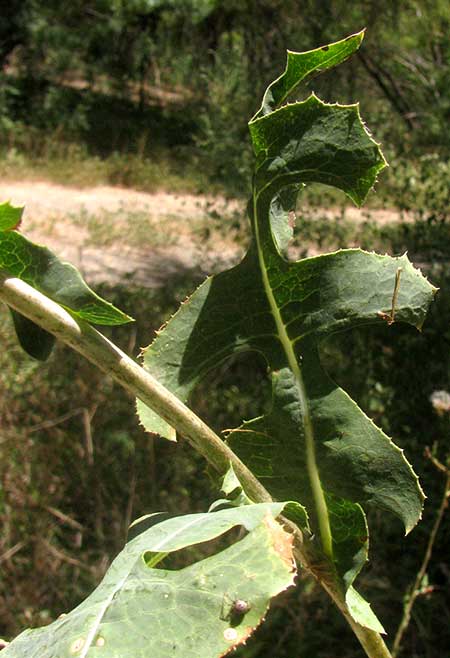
(61, 282)
(139, 610)
(315, 445)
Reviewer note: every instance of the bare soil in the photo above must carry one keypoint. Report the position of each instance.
(176, 236)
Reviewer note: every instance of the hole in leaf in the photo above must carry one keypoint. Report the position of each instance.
(320, 224)
(362, 362)
(190, 555)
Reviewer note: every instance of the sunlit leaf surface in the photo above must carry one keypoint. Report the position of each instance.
(206, 609)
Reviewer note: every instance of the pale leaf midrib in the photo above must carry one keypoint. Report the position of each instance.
(107, 603)
(287, 345)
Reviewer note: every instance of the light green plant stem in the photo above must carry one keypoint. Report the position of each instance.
(372, 642)
(112, 361)
(311, 463)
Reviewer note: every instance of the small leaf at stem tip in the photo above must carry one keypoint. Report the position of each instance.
(60, 281)
(302, 66)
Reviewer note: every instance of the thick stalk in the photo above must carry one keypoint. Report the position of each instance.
(115, 363)
(112, 361)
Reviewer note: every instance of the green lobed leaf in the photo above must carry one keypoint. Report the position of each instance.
(61, 282)
(313, 141)
(140, 611)
(315, 445)
(302, 66)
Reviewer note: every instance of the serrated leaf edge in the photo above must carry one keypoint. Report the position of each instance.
(289, 53)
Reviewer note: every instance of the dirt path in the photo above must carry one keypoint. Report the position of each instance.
(113, 233)
(42, 199)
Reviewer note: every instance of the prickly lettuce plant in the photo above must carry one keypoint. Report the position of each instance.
(314, 447)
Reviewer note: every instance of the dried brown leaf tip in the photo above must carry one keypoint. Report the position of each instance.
(283, 542)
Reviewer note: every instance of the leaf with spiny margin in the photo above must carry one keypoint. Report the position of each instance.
(141, 611)
(315, 142)
(61, 282)
(300, 67)
(283, 310)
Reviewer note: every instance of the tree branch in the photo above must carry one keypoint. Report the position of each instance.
(385, 81)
